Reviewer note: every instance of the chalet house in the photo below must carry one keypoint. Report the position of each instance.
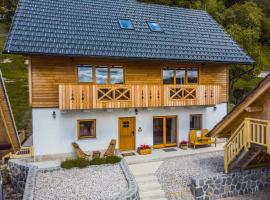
(121, 69)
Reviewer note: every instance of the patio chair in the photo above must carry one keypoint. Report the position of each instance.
(194, 140)
(111, 149)
(210, 140)
(80, 153)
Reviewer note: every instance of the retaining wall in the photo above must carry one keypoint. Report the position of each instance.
(233, 184)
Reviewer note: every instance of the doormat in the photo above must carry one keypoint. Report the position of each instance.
(169, 150)
(128, 154)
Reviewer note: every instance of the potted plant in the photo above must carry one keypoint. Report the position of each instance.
(144, 149)
(183, 145)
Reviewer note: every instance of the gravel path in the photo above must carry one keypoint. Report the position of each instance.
(175, 174)
(93, 183)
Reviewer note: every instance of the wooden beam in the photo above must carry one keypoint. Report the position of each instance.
(252, 109)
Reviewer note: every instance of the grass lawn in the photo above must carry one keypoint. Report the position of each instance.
(15, 75)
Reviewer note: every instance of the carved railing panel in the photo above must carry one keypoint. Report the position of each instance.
(76, 97)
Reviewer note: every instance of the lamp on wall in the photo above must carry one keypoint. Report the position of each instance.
(136, 111)
(54, 114)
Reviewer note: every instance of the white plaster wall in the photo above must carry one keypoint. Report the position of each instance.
(54, 136)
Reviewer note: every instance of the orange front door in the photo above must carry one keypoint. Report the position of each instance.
(126, 133)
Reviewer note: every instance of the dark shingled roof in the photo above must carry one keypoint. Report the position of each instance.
(91, 28)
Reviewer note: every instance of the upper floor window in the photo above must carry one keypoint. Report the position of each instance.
(126, 24)
(168, 75)
(116, 75)
(174, 75)
(101, 74)
(192, 75)
(85, 73)
(154, 26)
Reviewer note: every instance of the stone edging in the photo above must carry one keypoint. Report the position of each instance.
(29, 191)
(133, 191)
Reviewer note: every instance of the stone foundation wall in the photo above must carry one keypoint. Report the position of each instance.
(18, 170)
(233, 184)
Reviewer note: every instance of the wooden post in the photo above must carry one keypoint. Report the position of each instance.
(268, 137)
(247, 134)
(226, 159)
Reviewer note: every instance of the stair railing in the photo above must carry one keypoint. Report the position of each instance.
(254, 131)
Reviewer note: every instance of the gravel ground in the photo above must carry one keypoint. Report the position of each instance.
(175, 174)
(93, 183)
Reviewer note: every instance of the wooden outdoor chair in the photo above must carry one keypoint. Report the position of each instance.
(194, 140)
(80, 153)
(210, 140)
(111, 149)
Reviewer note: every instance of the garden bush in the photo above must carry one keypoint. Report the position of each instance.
(79, 162)
(105, 160)
(82, 163)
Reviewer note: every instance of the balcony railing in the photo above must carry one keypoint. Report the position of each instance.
(77, 97)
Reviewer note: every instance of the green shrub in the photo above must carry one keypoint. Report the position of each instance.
(79, 162)
(105, 160)
(82, 163)
(113, 159)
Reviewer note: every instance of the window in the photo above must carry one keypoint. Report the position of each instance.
(180, 75)
(116, 75)
(154, 26)
(86, 128)
(192, 75)
(168, 75)
(85, 73)
(101, 74)
(174, 75)
(125, 24)
(196, 122)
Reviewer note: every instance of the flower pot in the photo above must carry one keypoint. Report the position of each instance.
(144, 151)
(183, 146)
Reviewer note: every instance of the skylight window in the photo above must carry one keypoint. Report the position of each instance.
(125, 24)
(154, 26)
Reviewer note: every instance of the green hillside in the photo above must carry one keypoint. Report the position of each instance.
(15, 75)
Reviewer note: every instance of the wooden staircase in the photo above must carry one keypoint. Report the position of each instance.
(251, 139)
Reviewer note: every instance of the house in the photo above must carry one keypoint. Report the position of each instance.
(9, 138)
(125, 70)
(247, 128)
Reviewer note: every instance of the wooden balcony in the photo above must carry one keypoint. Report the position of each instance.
(82, 97)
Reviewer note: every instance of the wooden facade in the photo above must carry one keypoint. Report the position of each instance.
(53, 83)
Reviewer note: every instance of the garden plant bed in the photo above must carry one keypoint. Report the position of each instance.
(93, 182)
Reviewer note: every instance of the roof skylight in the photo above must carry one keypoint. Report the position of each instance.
(125, 24)
(154, 26)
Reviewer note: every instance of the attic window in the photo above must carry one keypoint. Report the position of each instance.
(125, 24)
(154, 26)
